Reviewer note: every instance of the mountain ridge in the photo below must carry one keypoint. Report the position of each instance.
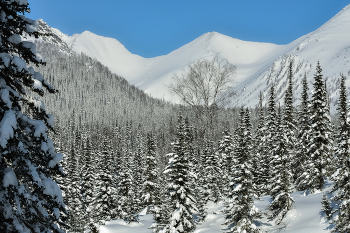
(259, 65)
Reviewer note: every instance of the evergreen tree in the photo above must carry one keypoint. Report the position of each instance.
(260, 169)
(139, 158)
(213, 174)
(270, 139)
(320, 144)
(73, 196)
(200, 185)
(341, 178)
(161, 212)
(31, 200)
(289, 121)
(303, 132)
(126, 192)
(182, 201)
(326, 207)
(282, 177)
(240, 211)
(104, 202)
(226, 151)
(150, 188)
(88, 177)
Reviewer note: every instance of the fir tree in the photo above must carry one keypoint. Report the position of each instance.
(73, 196)
(260, 169)
(289, 121)
(31, 200)
(226, 151)
(240, 211)
(213, 174)
(126, 192)
(139, 158)
(341, 178)
(104, 202)
(182, 201)
(150, 188)
(88, 177)
(320, 145)
(282, 177)
(270, 139)
(326, 206)
(303, 132)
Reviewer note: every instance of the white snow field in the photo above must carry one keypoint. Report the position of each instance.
(305, 217)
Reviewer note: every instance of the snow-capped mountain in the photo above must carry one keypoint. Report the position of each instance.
(259, 65)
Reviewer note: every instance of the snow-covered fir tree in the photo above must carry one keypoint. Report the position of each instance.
(226, 151)
(327, 206)
(88, 178)
(270, 140)
(320, 144)
(150, 187)
(281, 175)
(127, 205)
(202, 193)
(260, 171)
(182, 203)
(341, 177)
(139, 159)
(30, 199)
(104, 203)
(289, 120)
(213, 173)
(240, 211)
(303, 131)
(73, 189)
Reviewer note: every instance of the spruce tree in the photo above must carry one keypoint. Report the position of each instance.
(31, 200)
(341, 178)
(282, 177)
(289, 121)
(240, 211)
(73, 196)
(327, 207)
(320, 144)
(270, 139)
(182, 203)
(226, 151)
(303, 131)
(150, 188)
(139, 159)
(126, 189)
(213, 173)
(260, 169)
(104, 202)
(88, 177)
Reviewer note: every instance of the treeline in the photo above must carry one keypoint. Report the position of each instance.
(116, 171)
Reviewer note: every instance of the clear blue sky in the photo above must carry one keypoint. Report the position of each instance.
(152, 28)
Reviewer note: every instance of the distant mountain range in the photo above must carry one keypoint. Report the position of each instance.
(259, 65)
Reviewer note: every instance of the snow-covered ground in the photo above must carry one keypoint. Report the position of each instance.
(306, 217)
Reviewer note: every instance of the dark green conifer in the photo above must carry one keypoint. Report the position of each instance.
(320, 143)
(282, 177)
(341, 177)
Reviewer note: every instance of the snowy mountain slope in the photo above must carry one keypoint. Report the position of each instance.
(152, 74)
(259, 65)
(330, 45)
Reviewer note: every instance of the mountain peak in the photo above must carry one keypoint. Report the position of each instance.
(258, 64)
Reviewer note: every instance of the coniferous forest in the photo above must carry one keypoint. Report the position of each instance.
(107, 150)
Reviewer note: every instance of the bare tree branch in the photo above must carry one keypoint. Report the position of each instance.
(204, 86)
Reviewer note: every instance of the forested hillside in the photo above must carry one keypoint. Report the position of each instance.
(80, 146)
